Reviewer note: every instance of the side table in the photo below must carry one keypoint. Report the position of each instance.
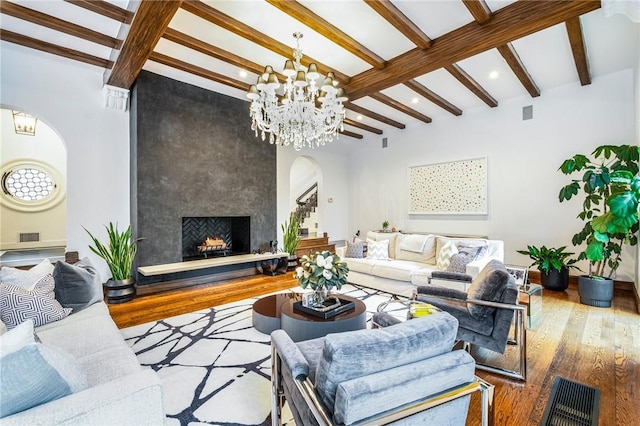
(531, 295)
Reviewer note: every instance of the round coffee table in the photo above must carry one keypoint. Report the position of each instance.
(276, 311)
(266, 312)
(300, 326)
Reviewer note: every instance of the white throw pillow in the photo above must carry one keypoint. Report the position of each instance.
(16, 338)
(412, 242)
(444, 255)
(26, 279)
(378, 250)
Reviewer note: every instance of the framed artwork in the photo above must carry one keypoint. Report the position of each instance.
(454, 187)
(519, 273)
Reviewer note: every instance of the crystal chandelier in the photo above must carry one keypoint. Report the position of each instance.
(306, 114)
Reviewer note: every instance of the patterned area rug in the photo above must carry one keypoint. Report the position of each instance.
(214, 366)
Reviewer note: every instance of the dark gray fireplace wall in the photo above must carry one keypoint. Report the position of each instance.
(193, 153)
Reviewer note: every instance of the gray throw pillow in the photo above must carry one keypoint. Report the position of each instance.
(78, 286)
(460, 260)
(488, 285)
(355, 250)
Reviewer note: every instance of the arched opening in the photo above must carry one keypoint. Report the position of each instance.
(305, 186)
(33, 182)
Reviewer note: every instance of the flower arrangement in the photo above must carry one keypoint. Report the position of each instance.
(322, 270)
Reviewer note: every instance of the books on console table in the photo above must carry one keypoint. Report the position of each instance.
(328, 309)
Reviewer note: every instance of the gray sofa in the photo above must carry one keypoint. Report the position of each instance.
(377, 376)
(120, 392)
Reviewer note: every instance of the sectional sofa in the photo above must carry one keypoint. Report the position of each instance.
(412, 258)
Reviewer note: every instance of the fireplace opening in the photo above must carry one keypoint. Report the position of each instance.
(214, 236)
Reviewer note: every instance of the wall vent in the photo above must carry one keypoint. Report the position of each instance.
(527, 112)
(29, 237)
(384, 142)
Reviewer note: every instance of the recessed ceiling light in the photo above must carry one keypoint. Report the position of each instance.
(359, 117)
(243, 73)
(493, 75)
(415, 100)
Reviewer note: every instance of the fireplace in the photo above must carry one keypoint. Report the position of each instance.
(205, 237)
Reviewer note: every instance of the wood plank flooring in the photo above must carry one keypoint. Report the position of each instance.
(596, 346)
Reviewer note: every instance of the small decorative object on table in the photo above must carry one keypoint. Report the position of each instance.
(321, 271)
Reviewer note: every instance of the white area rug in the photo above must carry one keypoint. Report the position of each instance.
(214, 366)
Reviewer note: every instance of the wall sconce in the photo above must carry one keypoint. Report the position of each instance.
(24, 124)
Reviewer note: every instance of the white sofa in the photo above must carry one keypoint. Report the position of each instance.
(120, 392)
(405, 270)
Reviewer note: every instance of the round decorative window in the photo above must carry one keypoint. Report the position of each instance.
(30, 186)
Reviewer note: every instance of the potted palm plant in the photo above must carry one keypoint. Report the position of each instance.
(553, 264)
(291, 238)
(118, 254)
(609, 185)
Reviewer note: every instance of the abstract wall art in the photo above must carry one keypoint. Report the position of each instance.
(453, 188)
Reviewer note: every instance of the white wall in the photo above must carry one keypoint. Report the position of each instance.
(333, 160)
(50, 220)
(68, 96)
(523, 159)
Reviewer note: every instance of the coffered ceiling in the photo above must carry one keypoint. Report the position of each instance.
(401, 62)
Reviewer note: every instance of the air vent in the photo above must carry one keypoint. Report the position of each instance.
(571, 404)
(29, 237)
(527, 112)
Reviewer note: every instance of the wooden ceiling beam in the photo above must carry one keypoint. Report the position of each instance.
(54, 49)
(199, 71)
(351, 134)
(214, 51)
(574, 31)
(433, 97)
(149, 23)
(218, 18)
(359, 125)
(105, 8)
(479, 10)
(509, 23)
(467, 81)
(328, 30)
(399, 20)
(482, 14)
(48, 21)
(513, 60)
(373, 115)
(382, 98)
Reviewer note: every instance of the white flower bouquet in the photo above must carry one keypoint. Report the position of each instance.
(322, 270)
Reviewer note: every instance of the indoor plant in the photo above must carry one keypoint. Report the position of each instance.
(119, 255)
(609, 186)
(553, 264)
(385, 225)
(322, 271)
(291, 237)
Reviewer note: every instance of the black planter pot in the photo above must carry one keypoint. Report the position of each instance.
(293, 262)
(555, 280)
(595, 292)
(116, 291)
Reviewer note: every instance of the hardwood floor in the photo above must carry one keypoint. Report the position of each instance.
(599, 347)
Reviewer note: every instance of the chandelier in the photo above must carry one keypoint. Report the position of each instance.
(306, 114)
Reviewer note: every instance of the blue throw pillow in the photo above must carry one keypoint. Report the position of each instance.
(37, 374)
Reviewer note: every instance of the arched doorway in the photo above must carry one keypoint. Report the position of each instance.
(33, 208)
(305, 186)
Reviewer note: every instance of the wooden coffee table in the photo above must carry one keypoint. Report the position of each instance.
(276, 311)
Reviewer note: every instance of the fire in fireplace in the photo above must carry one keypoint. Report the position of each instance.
(215, 245)
(212, 236)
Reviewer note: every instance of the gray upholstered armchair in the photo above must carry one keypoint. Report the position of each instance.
(485, 312)
(377, 376)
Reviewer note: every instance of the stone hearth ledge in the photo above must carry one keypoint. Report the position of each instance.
(191, 265)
